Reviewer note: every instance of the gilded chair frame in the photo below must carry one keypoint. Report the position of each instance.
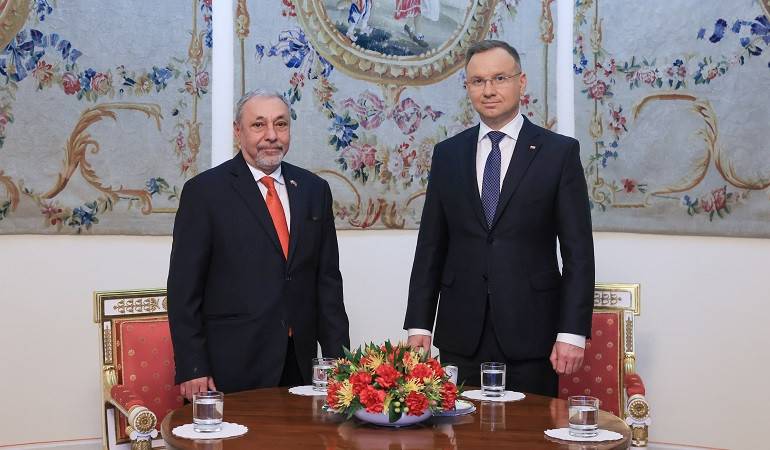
(111, 307)
(624, 298)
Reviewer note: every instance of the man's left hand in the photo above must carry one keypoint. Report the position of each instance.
(566, 358)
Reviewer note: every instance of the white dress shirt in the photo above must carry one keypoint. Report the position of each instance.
(280, 187)
(483, 149)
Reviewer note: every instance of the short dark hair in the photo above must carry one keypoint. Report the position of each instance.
(489, 44)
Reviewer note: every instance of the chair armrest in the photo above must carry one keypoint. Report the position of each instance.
(124, 397)
(125, 400)
(634, 384)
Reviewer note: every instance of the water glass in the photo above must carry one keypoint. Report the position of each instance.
(321, 367)
(493, 379)
(451, 370)
(208, 409)
(583, 416)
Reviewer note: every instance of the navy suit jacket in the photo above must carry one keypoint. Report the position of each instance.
(513, 264)
(232, 295)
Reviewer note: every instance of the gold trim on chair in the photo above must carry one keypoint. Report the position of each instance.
(110, 308)
(624, 299)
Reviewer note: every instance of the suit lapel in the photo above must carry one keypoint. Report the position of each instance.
(297, 207)
(527, 146)
(469, 168)
(247, 188)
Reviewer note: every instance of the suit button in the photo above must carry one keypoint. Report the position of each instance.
(490, 239)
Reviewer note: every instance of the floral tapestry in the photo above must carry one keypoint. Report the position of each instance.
(672, 115)
(104, 113)
(374, 85)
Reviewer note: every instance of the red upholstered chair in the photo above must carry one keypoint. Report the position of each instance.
(137, 367)
(609, 367)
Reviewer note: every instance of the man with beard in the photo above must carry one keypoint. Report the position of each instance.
(254, 282)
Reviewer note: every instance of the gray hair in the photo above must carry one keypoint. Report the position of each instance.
(489, 44)
(257, 93)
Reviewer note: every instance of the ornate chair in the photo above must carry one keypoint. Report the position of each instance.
(609, 367)
(137, 366)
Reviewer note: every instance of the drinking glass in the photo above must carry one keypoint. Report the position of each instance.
(321, 367)
(208, 409)
(493, 379)
(583, 416)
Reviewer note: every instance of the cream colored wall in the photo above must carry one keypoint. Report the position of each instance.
(702, 334)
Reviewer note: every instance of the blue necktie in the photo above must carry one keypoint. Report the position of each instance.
(490, 186)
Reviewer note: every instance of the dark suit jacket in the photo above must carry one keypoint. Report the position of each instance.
(231, 293)
(514, 263)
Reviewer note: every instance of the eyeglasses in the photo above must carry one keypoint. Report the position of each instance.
(499, 80)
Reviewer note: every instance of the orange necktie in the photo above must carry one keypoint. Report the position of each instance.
(276, 213)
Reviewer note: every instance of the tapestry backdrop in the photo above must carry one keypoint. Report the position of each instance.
(672, 113)
(104, 113)
(374, 85)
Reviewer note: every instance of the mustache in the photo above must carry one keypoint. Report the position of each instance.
(270, 147)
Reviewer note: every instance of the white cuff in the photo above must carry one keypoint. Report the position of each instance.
(418, 331)
(574, 339)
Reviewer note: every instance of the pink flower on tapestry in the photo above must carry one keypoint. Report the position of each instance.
(360, 156)
(70, 83)
(368, 155)
(707, 205)
(610, 68)
(647, 76)
(617, 120)
(202, 79)
(101, 83)
(589, 77)
(597, 90)
(369, 109)
(720, 198)
(408, 116)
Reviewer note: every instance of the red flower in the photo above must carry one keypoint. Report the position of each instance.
(372, 399)
(331, 393)
(387, 376)
(70, 82)
(417, 403)
(421, 371)
(629, 185)
(448, 395)
(360, 380)
(435, 366)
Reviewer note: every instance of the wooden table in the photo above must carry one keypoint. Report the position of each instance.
(280, 420)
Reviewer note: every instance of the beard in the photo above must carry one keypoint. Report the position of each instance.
(267, 163)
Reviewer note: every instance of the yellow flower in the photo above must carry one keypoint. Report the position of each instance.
(413, 385)
(412, 360)
(374, 360)
(345, 395)
(386, 402)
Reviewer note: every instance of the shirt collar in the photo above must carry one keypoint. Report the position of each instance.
(511, 129)
(277, 175)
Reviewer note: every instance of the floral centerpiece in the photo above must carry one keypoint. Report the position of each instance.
(396, 381)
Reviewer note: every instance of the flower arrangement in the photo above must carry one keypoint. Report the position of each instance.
(390, 379)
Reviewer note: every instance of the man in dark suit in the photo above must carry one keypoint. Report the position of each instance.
(500, 195)
(254, 282)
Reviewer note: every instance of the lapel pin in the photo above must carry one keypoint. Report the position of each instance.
(531, 147)
(293, 183)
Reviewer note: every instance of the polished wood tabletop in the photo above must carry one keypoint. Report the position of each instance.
(279, 420)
